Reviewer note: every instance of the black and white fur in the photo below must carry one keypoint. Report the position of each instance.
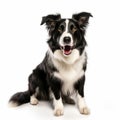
(62, 72)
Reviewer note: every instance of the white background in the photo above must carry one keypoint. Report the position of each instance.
(23, 46)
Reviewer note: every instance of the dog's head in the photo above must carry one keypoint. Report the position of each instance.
(67, 34)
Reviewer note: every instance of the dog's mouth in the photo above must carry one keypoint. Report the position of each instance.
(67, 49)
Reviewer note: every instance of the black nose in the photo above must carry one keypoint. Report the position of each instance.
(67, 40)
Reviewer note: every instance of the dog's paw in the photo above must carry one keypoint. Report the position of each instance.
(84, 111)
(34, 101)
(58, 112)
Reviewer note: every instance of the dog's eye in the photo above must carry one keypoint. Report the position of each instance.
(73, 28)
(61, 28)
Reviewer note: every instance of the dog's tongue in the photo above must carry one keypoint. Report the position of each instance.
(67, 50)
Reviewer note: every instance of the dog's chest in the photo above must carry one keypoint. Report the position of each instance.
(69, 75)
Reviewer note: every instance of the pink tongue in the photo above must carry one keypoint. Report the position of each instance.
(67, 52)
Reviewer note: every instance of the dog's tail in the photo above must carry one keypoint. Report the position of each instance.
(19, 99)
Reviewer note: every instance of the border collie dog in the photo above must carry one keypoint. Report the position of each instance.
(62, 72)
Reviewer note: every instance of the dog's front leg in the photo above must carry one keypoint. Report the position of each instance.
(58, 107)
(57, 99)
(80, 97)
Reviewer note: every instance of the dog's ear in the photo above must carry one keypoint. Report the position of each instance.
(50, 21)
(82, 18)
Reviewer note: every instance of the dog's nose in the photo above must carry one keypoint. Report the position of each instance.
(67, 40)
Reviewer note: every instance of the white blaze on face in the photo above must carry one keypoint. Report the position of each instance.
(66, 34)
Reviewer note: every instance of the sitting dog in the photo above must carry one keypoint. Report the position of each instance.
(62, 72)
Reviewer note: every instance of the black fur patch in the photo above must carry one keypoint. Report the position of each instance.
(79, 86)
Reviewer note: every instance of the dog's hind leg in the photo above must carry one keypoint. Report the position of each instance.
(33, 98)
(38, 87)
(34, 89)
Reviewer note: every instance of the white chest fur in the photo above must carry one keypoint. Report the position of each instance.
(69, 73)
